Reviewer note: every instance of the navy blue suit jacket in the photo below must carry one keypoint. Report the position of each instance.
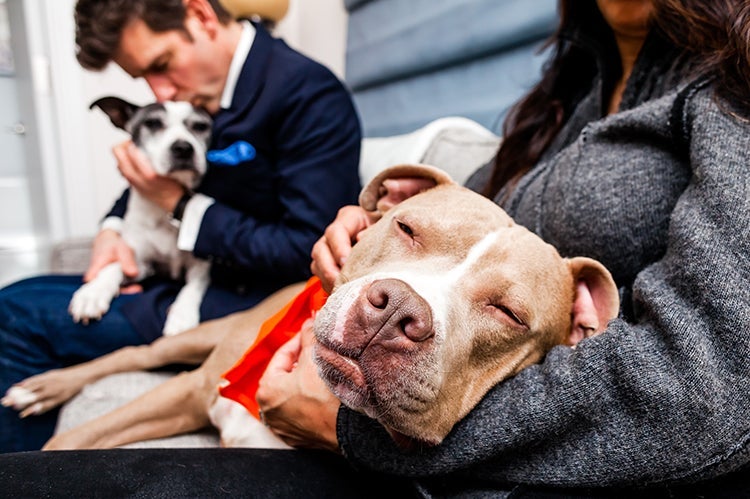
(269, 211)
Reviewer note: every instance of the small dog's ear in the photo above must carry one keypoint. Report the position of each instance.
(596, 298)
(394, 184)
(119, 111)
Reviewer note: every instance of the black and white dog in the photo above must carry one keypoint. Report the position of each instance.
(175, 137)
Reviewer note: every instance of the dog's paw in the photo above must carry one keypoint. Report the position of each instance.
(179, 320)
(89, 302)
(18, 398)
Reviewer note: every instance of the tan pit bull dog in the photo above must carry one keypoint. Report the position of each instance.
(441, 299)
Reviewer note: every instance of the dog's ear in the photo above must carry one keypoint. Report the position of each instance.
(394, 184)
(119, 111)
(596, 298)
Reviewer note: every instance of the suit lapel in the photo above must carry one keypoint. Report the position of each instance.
(249, 85)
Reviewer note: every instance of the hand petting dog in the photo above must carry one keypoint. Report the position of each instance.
(163, 162)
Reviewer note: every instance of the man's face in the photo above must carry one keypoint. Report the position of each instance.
(173, 65)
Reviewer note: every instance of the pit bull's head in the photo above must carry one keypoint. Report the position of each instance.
(174, 135)
(441, 299)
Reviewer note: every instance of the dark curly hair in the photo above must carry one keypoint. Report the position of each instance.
(99, 24)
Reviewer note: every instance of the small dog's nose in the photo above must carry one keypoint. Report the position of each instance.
(182, 149)
(401, 309)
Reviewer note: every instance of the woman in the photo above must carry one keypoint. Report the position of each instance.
(632, 150)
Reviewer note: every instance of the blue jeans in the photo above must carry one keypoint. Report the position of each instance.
(37, 334)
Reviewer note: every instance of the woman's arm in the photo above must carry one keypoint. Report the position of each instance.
(662, 398)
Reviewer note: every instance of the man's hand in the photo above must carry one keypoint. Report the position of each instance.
(294, 401)
(108, 248)
(140, 174)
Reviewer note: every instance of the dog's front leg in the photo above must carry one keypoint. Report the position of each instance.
(185, 311)
(173, 407)
(42, 392)
(92, 300)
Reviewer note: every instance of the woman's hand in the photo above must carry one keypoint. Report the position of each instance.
(294, 401)
(109, 247)
(331, 250)
(140, 174)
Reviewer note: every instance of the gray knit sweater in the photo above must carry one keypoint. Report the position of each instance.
(660, 193)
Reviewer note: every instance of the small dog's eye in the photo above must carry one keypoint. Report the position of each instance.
(405, 229)
(200, 126)
(153, 123)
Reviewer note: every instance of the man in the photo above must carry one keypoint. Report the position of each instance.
(255, 219)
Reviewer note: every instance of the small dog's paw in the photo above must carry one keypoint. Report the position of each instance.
(89, 302)
(179, 320)
(18, 398)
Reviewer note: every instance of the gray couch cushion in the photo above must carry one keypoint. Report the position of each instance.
(455, 144)
(71, 256)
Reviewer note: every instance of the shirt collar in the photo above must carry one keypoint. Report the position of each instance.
(238, 61)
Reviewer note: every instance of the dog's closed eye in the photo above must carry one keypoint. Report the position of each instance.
(504, 311)
(405, 229)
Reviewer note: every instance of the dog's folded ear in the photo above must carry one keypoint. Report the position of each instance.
(394, 184)
(119, 111)
(596, 298)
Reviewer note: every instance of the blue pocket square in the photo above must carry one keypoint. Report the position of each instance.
(237, 153)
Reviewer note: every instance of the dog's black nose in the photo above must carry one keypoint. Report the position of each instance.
(182, 149)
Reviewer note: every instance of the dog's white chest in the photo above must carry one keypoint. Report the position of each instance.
(152, 237)
(239, 428)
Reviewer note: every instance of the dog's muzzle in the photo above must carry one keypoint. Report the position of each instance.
(182, 153)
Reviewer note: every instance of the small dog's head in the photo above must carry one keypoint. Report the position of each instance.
(174, 135)
(441, 299)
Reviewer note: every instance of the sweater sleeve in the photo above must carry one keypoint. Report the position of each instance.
(664, 397)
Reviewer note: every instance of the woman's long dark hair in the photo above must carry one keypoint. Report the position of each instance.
(716, 33)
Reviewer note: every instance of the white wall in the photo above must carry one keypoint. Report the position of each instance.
(317, 28)
(90, 183)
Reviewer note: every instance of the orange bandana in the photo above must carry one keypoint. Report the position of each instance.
(244, 376)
